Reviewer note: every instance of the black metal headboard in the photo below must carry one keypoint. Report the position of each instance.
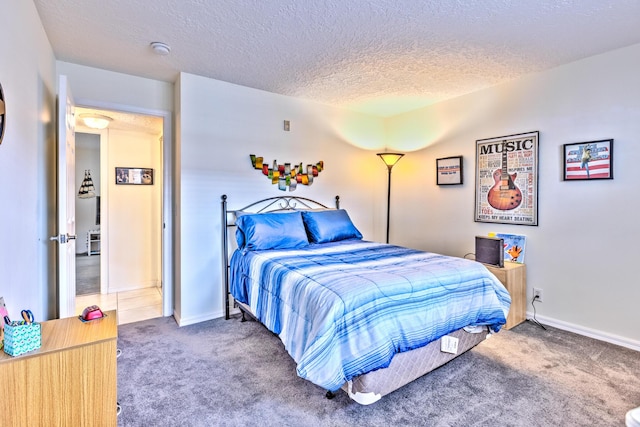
(270, 204)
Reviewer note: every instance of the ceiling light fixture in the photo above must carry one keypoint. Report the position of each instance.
(160, 48)
(96, 121)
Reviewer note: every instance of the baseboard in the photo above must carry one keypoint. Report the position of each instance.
(137, 287)
(587, 332)
(185, 321)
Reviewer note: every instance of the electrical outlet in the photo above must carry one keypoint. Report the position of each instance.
(537, 292)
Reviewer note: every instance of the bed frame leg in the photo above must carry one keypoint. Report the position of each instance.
(243, 318)
(330, 395)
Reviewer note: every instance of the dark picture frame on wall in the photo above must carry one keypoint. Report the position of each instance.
(588, 160)
(134, 176)
(507, 179)
(2, 114)
(449, 171)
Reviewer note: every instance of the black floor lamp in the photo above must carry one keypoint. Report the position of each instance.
(389, 159)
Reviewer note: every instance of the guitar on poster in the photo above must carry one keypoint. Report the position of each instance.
(504, 195)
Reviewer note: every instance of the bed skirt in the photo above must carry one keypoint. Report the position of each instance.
(408, 366)
(405, 367)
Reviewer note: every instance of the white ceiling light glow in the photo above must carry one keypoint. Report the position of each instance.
(160, 48)
(96, 121)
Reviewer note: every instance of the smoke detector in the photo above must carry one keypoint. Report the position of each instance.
(160, 48)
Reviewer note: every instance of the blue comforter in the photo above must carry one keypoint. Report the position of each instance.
(343, 309)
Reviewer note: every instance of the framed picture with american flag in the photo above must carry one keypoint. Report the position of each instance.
(588, 160)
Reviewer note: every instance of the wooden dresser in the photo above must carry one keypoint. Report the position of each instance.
(70, 381)
(514, 277)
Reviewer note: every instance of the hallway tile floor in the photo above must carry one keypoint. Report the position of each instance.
(132, 306)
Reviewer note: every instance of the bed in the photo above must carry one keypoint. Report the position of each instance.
(361, 316)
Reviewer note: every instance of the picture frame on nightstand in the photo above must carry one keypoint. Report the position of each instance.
(514, 247)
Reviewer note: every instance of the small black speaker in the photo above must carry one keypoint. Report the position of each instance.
(490, 250)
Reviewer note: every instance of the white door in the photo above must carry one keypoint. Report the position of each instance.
(66, 237)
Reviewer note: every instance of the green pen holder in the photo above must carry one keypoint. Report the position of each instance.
(22, 338)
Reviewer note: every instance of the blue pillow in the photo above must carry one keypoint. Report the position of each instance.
(271, 231)
(240, 238)
(329, 226)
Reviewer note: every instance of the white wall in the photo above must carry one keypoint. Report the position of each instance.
(96, 85)
(27, 163)
(87, 158)
(134, 213)
(583, 252)
(219, 126)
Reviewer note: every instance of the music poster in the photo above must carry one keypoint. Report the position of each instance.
(507, 179)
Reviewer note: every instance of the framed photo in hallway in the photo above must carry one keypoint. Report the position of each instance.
(134, 176)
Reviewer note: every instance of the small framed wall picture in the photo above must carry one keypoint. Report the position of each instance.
(134, 176)
(449, 170)
(2, 114)
(588, 160)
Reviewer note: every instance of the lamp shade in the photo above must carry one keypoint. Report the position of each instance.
(96, 121)
(390, 159)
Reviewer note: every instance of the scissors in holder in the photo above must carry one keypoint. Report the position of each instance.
(27, 315)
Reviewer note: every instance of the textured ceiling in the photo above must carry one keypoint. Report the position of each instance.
(381, 57)
(122, 121)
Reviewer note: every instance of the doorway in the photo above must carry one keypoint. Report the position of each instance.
(119, 262)
(88, 204)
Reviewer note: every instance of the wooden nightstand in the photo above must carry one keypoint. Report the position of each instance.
(514, 277)
(70, 380)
